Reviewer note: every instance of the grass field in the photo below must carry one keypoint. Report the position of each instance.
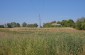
(42, 41)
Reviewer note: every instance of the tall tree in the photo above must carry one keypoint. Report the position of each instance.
(9, 25)
(68, 23)
(24, 24)
(17, 24)
(13, 24)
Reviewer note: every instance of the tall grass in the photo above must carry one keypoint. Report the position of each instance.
(42, 43)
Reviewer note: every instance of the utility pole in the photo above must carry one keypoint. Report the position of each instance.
(39, 21)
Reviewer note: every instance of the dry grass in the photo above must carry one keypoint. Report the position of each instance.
(66, 29)
(42, 41)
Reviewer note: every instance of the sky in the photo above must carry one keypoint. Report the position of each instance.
(49, 10)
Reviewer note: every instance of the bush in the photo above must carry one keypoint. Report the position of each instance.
(80, 24)
(32, 25)
(68, 23)
(1, 26)
(24, 24)
(83, 26)
(13, 24)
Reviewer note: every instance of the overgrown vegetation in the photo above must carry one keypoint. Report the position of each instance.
(79, 24)
(42, 42)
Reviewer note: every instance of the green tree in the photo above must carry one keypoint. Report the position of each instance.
(35, 25)
(24, 24)
(64, 23)
(47, 25)
(9, 25)
(17, 24)
(13, 24)
(83, 26)
(32, 25)
(1, 26)
(80, 23)
(68, 23)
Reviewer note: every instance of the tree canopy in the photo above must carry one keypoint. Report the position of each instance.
(79, 24)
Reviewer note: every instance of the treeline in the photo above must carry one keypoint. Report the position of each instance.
(14, 24)
(52, 24)
(63, 23)
(79, 24)
(29, 25)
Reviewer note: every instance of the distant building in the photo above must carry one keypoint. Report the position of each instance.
(56, 24)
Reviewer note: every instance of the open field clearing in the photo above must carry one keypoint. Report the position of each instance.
(42, 41)
(61, 29)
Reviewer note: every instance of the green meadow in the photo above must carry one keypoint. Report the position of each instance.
(42, 41)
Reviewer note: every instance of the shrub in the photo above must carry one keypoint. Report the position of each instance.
(80, 24)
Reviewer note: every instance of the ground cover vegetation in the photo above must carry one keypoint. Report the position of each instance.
(42, 41)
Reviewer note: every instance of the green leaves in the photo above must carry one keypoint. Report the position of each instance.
(80, 24)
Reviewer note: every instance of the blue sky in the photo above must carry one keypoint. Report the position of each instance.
(49, 10)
